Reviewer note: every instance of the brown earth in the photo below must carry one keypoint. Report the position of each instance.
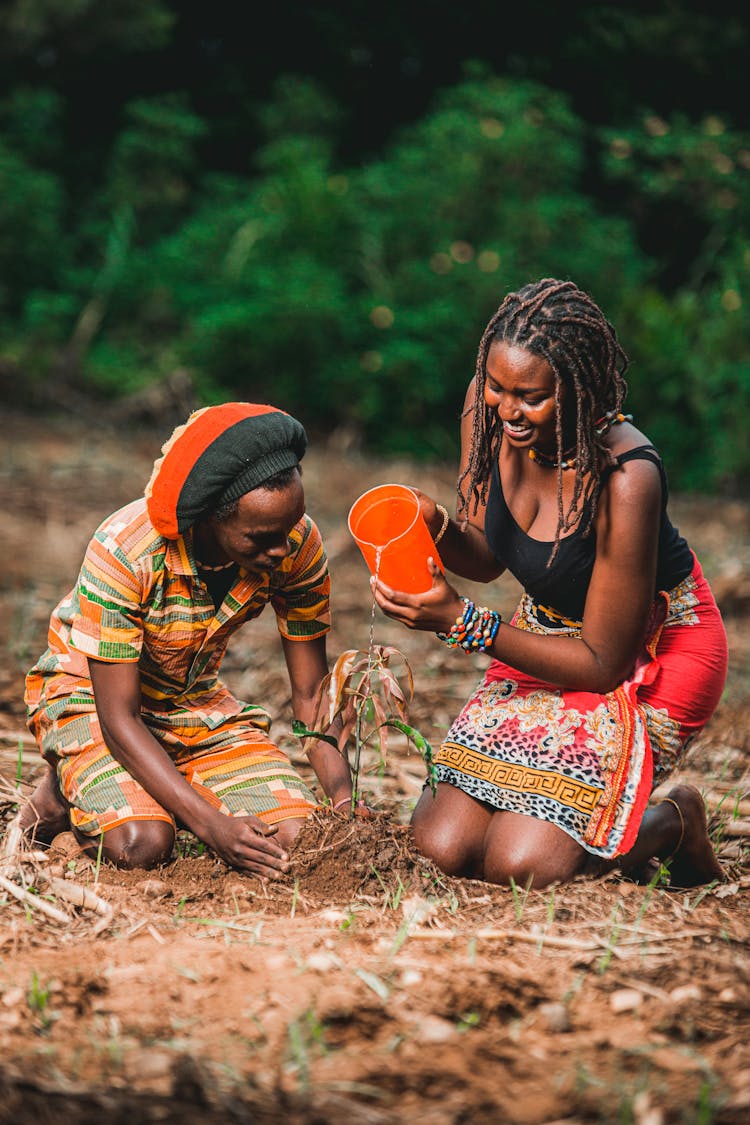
(365, 987)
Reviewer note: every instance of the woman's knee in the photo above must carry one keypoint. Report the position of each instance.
(137, 843)
(446, 845)
(449, 829)
(506, 871)
(520, 863)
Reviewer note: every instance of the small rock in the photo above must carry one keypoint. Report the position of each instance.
(322, 962)
(13, 997)
(433, 1029)
(685, 992)
(155, 888)
(556, 1017)
(150, 1065)
(274, 963)
(334, 916)
(410, 977)
(625, 1000)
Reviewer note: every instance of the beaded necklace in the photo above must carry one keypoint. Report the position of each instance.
(601, 426)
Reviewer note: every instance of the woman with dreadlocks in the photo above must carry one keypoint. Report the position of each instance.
(616, 656)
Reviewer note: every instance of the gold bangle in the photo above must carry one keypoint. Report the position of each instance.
(444, 526)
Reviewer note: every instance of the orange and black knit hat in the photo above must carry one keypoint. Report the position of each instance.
(218, 455)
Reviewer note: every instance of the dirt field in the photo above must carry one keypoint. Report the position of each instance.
(367, 988)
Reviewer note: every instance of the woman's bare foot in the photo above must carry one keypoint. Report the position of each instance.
(45, 813)
(694, 862)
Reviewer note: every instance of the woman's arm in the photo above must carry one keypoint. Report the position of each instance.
(617, 607)
(244, 842)
(307, 666)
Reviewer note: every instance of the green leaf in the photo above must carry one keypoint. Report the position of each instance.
(302, 731)
(414, 736)
(422, 745)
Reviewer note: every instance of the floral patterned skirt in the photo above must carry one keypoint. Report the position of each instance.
(583, 761)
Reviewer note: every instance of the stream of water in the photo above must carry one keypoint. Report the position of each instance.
(378, 556)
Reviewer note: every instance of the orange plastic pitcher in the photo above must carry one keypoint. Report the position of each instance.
(389, 530)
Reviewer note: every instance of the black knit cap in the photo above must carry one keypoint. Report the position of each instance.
(220, 453)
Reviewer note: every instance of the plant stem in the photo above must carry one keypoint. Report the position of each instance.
(357, 753)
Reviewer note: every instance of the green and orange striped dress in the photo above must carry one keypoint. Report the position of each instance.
(138, 598)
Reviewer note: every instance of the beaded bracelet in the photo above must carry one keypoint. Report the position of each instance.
(444, 526)
(474, 630)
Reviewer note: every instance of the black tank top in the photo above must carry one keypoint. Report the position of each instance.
(565, 584)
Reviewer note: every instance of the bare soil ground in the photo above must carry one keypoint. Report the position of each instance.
(367, 987)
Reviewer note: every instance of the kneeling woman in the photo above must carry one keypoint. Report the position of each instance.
(616, 656)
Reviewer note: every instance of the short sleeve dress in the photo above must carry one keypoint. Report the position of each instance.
(139, 598)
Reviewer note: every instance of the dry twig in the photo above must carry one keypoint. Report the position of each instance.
(532, 937)
(20, 862)
(34, 901)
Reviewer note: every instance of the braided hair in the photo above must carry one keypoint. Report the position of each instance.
(559, 322)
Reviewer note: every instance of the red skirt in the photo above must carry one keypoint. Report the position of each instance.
(584, 761)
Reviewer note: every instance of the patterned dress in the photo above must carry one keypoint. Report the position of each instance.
(139, 599)
(584, 761)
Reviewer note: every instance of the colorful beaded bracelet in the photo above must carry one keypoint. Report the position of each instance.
(474, 630)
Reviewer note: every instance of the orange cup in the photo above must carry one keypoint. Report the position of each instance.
(387, 526)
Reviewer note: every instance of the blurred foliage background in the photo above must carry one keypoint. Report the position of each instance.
(325, 210)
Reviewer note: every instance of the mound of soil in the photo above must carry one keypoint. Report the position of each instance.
(337, 859)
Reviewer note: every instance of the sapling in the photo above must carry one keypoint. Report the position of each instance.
(363, 693)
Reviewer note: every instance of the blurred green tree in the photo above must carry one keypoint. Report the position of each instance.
(32, 245)
(359, 294)
(688, 331)
(354, 292)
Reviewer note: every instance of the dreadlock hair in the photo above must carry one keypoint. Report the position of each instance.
(559, 322)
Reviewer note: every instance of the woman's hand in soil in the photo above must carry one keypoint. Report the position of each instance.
(435, 610)
(246, 842)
